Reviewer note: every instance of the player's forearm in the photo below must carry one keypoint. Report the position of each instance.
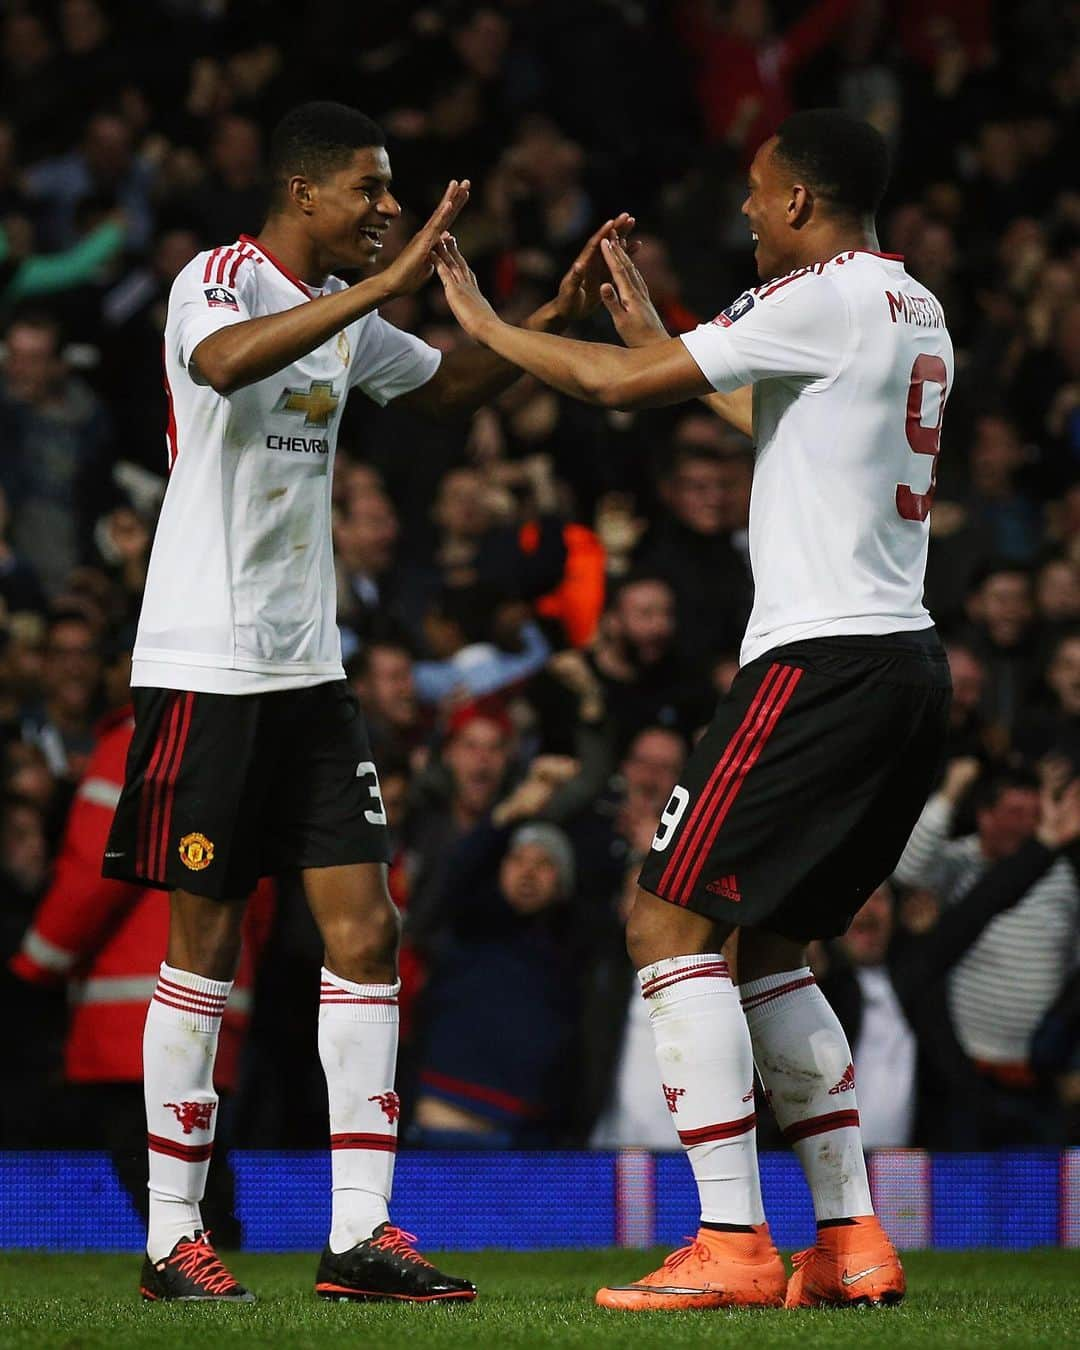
(591, 372)
(246, 352)
(736, 409)
(472, 376)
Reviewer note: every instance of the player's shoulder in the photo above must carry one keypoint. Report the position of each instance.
(227, 268)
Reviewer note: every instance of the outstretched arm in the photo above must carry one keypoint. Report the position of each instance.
(472, 376)
(243, 353)
(592, 372)
(626, 298)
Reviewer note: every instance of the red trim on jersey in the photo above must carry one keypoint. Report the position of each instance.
(223, 262)
(172, 446)
(245, 256)
(210, 264)
(289, 276)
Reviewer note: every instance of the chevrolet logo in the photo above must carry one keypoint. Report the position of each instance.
(317, 404)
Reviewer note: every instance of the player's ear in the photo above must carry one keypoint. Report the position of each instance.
(800, 204)
(302, 193)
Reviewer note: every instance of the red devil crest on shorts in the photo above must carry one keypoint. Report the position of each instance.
(192, 1115)
(389, 1104)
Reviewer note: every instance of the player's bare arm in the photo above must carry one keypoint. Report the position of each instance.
(592, 372)
(247, 352)
(472, 376)
(626, 298)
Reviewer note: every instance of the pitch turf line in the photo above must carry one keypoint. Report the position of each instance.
(536, 1299)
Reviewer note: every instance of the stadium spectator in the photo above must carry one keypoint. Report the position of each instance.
(644, 680)
(106, 166)
(381, 674)
(1022, 927)
(700, 545)
(58, 436)
(456, 792)
(508, 906)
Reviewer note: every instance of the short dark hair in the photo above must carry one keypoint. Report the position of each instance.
(316, 140)
(989, 789)
(843, 160)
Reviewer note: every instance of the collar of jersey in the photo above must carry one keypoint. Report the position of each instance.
(309, 291)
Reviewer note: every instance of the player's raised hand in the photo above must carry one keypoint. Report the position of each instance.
(626, 298)
(463, 295)
(413, 265)
(579, 290)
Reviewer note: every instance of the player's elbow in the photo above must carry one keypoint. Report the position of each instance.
(605, 388)
(210, 365)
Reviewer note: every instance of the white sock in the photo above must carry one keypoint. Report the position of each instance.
(358, 1036)
(805, 1062)
(179, 1044)
(707, 1072)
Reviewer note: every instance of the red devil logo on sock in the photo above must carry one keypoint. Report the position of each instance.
(672, 1095)
(389, 1104)
(192, 1115)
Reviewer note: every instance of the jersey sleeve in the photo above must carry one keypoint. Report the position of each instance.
(388, 362)
(200, 305)
(796, 328)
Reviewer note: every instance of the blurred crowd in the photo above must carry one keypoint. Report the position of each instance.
(540, 609)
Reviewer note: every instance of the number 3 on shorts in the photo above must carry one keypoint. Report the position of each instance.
(671, 816)
(378, 817)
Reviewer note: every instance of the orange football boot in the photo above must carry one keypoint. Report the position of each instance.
(850, 1265)
(716, 1270)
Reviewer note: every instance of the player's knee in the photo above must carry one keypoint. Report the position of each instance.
(364, 947)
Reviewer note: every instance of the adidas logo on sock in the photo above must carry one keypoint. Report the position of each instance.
(726, 888)
(846, 1083)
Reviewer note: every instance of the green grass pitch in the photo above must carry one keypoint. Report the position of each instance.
(541, 1299)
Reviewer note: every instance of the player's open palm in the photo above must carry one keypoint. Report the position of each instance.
(626, 298)
(463, 294)
(579, 290)
(413, 265)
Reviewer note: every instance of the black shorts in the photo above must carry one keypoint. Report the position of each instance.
(799, 799)
(221, 789)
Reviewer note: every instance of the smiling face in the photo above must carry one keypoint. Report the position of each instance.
(772, 208)
(350, 209)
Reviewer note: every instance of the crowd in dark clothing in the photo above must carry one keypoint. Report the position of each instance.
(540, 609)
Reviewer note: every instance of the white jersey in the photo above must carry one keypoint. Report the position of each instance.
(851, 364)
(240, 595)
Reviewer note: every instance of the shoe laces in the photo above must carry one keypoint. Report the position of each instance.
(800, 1258)
(694, 1248)
(200, 1263)
(399, 1243)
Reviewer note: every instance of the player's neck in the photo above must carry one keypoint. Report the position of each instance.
(294, 249)
(830, 242)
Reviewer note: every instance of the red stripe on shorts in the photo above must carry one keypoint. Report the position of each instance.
(168, 786)
(732, 785)
(680, 854)
(148, 792)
